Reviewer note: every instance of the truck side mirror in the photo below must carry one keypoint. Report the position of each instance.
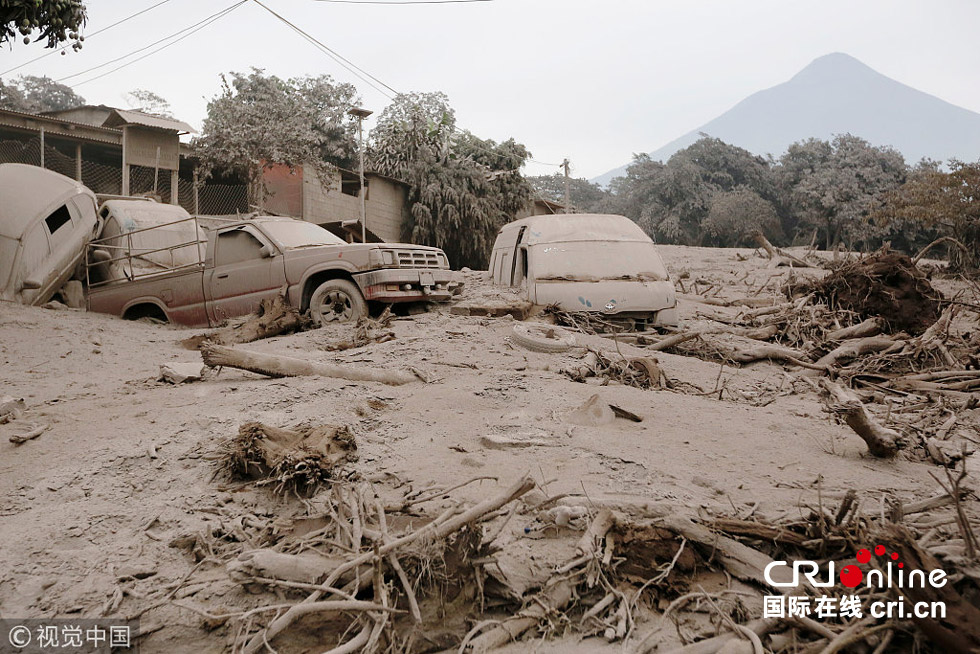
(267, 252)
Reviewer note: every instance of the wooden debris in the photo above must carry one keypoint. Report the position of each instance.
(366, 331)
(11, 408)
(32, 431)
(298, 459)
(853, 348)
(959, 629)
(882, 441)
(273, 317)
(273, 365)
(519, 309)
(777, 256)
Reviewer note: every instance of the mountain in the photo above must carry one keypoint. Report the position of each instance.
(836, 94)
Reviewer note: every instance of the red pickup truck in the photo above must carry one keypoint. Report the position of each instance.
(226, 271)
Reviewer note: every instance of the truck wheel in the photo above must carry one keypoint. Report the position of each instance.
(337, 300)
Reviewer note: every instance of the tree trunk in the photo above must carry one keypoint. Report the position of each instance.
(273, 365)
(881, 441)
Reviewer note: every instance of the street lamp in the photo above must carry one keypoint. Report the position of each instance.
(361, 114)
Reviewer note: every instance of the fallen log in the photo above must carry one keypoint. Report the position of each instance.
(772, 352)
(740, 560)
(757, 530)
(274, 365)
(253, 566)
(751, 302)
(882, 441)
(870, 327)
(858, 347)
(31, 433)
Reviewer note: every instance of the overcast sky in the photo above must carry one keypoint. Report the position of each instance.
(591, 81)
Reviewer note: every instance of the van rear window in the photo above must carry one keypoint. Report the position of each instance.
(58, 219)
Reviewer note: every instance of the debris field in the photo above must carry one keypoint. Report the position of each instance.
(461, 481)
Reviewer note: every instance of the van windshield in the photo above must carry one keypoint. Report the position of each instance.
(595, 260)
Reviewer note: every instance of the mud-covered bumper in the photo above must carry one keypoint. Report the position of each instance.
(397, 285)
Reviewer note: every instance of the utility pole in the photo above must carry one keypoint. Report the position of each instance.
(361, 114)
(564, 164)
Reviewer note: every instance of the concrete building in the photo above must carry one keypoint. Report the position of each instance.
(332, 201)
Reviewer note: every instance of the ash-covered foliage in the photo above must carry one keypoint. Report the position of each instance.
(462, 187)
(258, 120)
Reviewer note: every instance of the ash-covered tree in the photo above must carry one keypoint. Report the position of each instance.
(945, 203)
(34, 94)
(584, 196)
(148, 102)
(54, 21)
(259, 120)
(462, 188)
(733, 216)
(673, 200)
(834, 186)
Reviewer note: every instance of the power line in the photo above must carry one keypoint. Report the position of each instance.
(336, 56)
(406, 2)
(197, 27)
(544, 163)
(96, 33)
(150, 45)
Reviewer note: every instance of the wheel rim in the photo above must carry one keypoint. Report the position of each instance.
(336, 306)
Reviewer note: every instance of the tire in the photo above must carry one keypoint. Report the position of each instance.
(336, 301)
(538, 337)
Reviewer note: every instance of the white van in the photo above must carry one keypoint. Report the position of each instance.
(587, 262)
(46, 220)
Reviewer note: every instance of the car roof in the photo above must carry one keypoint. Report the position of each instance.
(557, 228)
(31, 192)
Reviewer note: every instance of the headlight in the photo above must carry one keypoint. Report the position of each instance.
(388, 257)
(443, 261)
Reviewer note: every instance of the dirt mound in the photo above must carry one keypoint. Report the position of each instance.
(886, 285)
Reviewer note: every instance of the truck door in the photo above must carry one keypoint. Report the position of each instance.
(247, 269)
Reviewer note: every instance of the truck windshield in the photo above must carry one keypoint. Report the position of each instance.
(298, 234)
(595, 260)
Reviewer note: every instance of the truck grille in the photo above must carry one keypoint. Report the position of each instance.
(418, 259)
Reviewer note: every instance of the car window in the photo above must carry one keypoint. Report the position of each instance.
(235, 246)
(58, 219)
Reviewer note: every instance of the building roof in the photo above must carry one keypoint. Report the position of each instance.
(550, 205)
(59, 126)
(122, 117)
(61, 112)
(371, 173)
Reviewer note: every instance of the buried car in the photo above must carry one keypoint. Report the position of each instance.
(156, 261)
(45, 221)
(597, 263)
